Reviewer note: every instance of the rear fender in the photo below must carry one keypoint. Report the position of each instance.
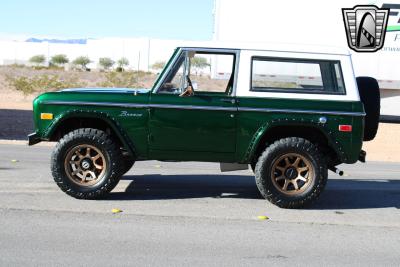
(259, 136)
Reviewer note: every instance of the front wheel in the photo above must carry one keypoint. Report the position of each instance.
(85, 163)
(291, 173)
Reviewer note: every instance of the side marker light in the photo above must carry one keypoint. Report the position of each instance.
(46, 116)
(345, 128)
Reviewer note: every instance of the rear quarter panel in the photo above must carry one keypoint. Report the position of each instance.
(261, 111)
(257, 116)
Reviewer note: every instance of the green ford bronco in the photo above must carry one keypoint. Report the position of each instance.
(289, 114)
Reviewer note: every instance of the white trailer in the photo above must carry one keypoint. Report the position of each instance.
(317, 23)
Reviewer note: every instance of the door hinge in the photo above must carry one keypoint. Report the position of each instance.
(150, 138)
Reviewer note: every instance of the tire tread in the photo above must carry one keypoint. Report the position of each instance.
(102, 139)
(289, 143)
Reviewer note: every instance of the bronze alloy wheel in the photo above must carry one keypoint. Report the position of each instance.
(85, 165)
(292, 174)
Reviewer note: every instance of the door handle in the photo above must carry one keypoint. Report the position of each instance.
(228, 100)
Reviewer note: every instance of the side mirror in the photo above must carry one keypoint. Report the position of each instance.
(188, 92)
(194, 85)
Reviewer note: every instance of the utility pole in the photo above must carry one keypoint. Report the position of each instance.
(148, 55)
(138, 63)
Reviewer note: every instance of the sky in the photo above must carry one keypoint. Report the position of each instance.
(169, 19)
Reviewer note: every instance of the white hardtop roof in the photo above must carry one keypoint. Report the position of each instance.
(295, 48)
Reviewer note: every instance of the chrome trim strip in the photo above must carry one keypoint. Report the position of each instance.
(132, 105)
(106, 90)
(299, 111)
(86, 103)
(191, 107)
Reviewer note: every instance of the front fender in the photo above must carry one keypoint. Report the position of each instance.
(50, 131)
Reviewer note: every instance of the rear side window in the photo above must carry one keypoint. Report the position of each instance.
(296, 76)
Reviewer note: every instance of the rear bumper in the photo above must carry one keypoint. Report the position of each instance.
(33, 139)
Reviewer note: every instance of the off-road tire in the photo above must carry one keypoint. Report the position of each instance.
(101, 141)
(368, 89)
(286, 146)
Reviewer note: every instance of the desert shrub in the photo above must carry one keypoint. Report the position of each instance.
(17, 65)
(37, 60)
(122, 63)
(59, 60)
(119, 79)
(42, 83)
(52, 67)
(106, 62)
(158, 65)
(141, 74)
(199, 63)
(82, 61)
(22, 84)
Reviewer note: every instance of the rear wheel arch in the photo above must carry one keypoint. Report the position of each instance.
(311, 133)
(96, 120)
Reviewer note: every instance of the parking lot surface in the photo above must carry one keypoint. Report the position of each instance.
(190, 213)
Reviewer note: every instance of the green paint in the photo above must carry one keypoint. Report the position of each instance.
(220, 131)
(393, 28)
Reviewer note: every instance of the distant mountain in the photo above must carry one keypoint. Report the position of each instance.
(57, 41)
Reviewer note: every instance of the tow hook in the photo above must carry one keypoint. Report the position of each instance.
(336, 170)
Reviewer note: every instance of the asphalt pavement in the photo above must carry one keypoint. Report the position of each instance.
(179, 214)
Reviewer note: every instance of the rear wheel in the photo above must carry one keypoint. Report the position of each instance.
(85, 165)
(291, 173)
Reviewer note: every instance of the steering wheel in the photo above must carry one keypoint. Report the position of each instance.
(189, 89)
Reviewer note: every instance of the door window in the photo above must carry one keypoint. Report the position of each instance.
(203, 72)
(212, 72)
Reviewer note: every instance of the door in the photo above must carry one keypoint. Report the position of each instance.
(193, 112)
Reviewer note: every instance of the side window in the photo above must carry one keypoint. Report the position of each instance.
(296, 76)
(212, 72)
(338, 77)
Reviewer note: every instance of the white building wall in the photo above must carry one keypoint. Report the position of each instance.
(141, 52)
